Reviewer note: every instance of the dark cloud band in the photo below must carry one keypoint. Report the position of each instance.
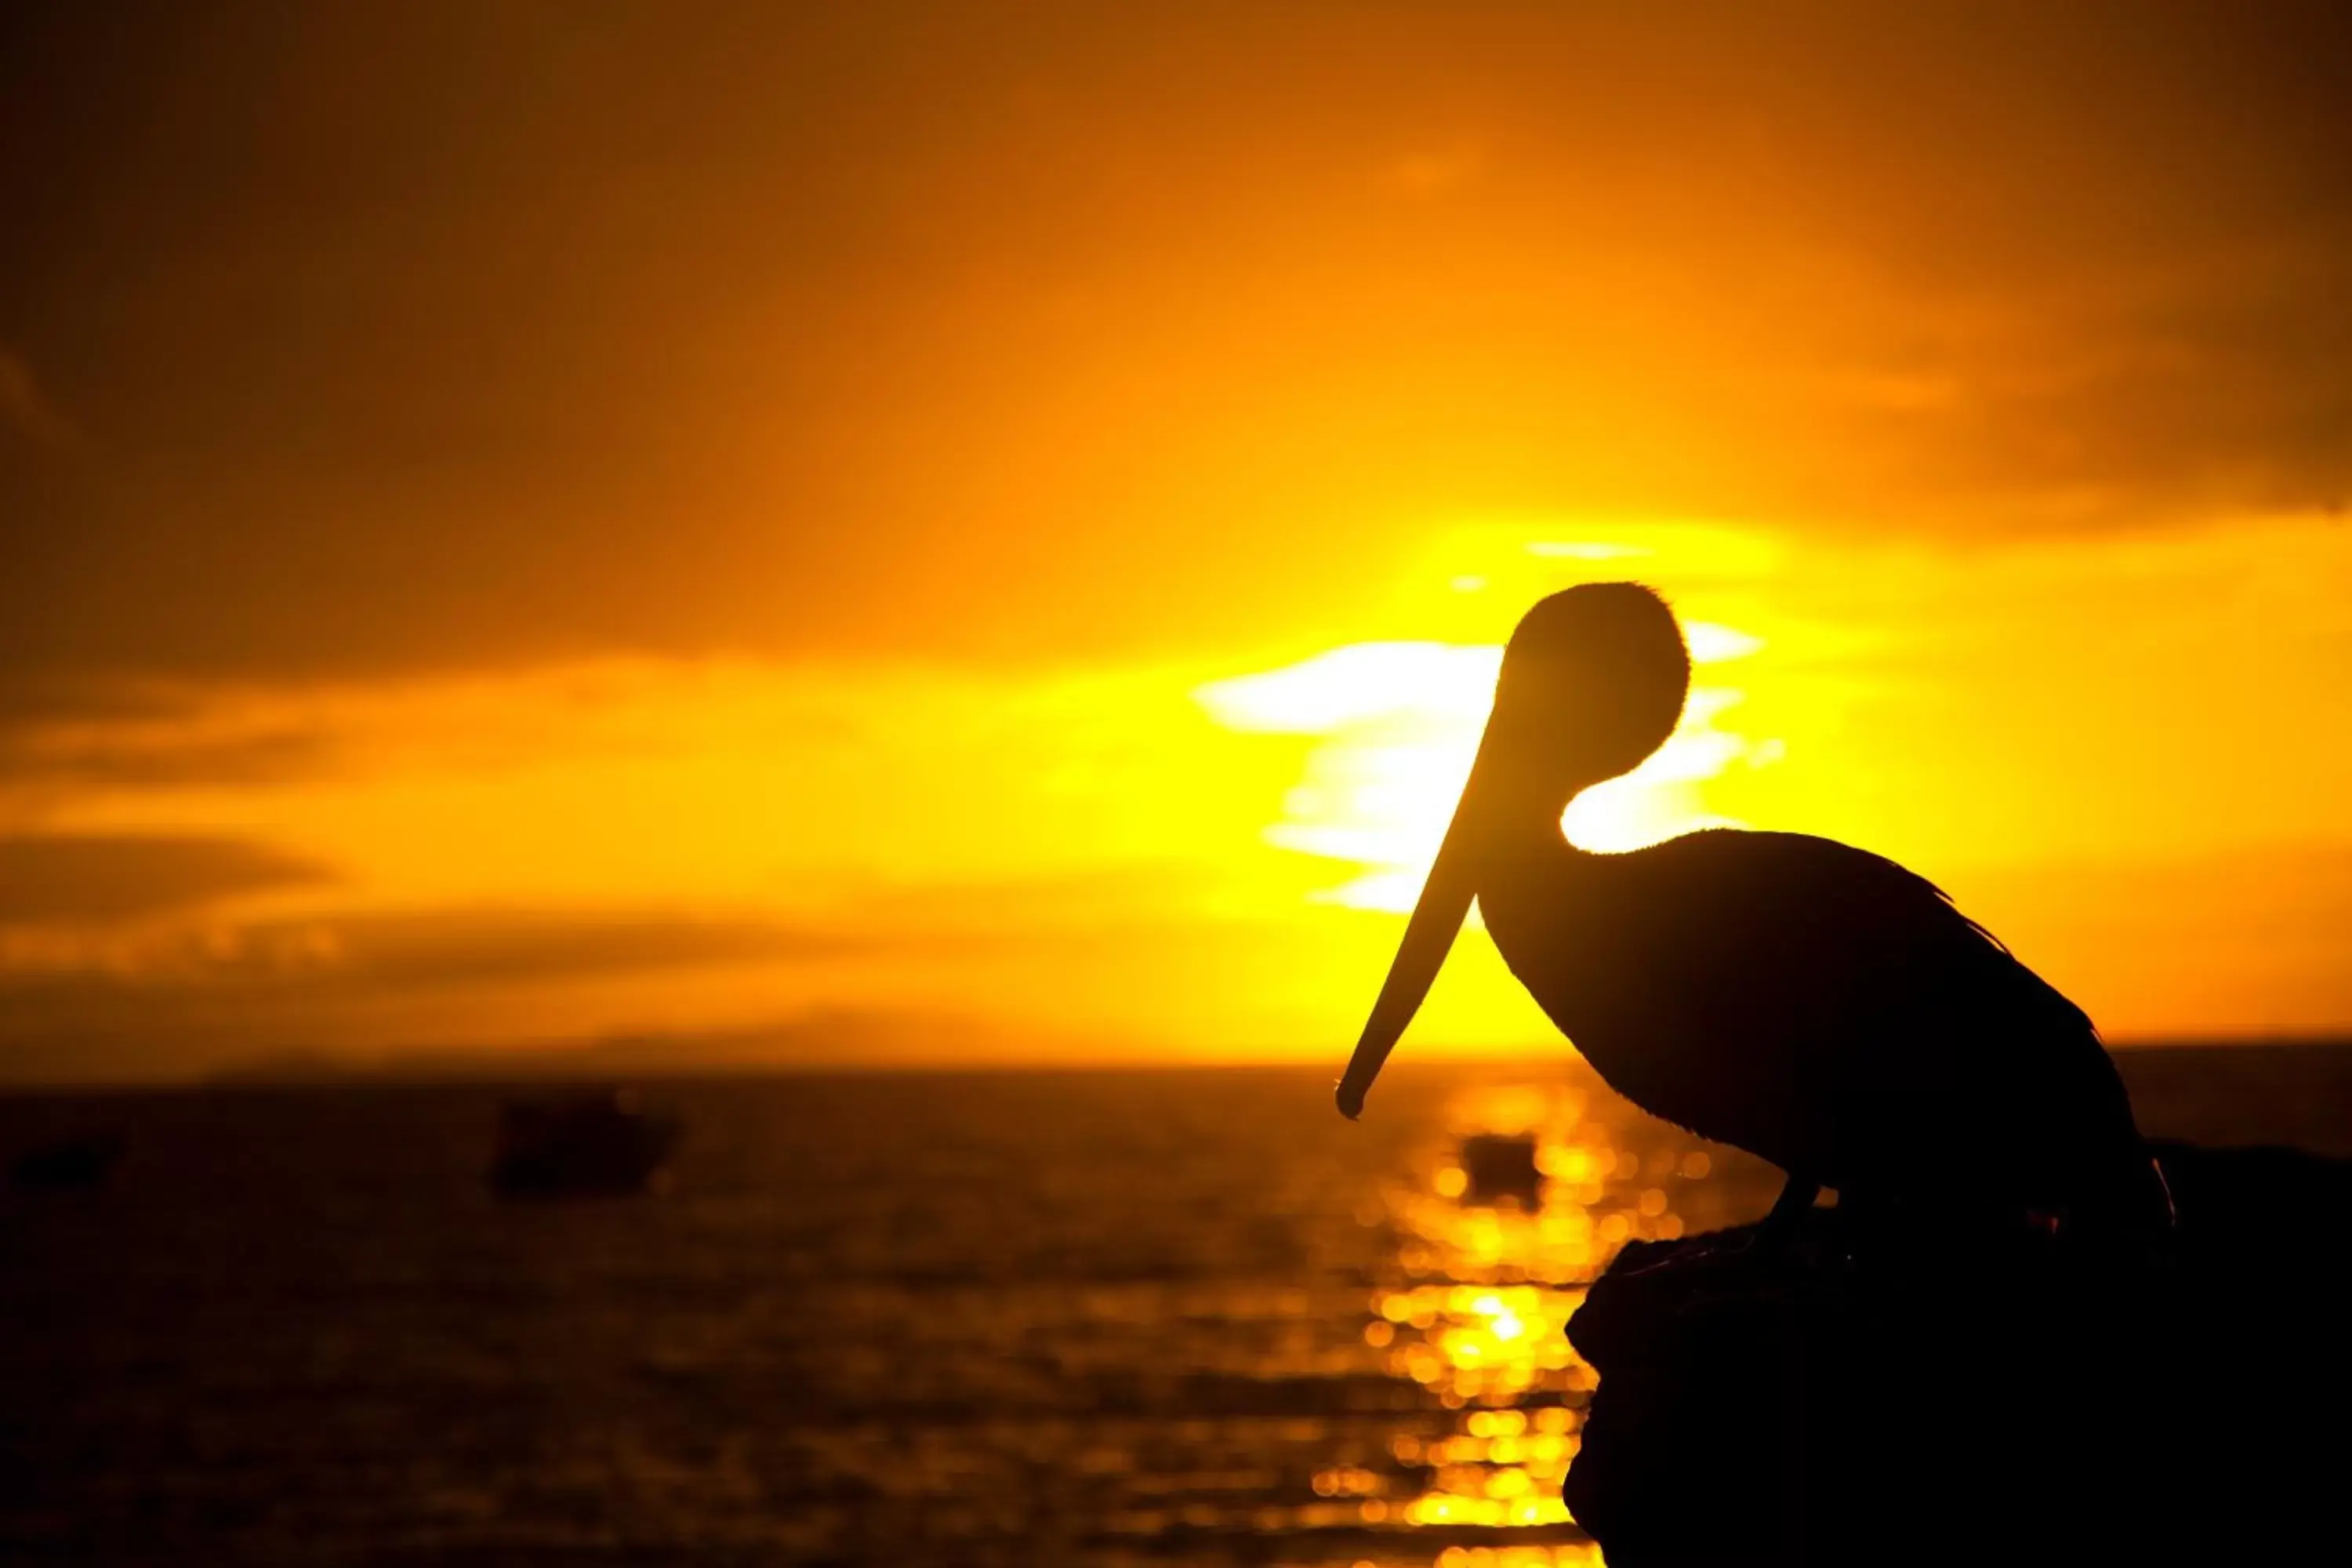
(87, 879)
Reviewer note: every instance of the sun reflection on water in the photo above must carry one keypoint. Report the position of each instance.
(1479, 1289)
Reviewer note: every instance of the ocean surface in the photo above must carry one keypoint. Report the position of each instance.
(1166, 1317)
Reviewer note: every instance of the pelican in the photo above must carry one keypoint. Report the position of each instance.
(1814, 1004)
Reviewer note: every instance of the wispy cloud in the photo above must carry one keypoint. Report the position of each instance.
(1940, 281)
(477, 984)
(94, 878)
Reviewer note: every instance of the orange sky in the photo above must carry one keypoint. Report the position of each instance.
(900, 530)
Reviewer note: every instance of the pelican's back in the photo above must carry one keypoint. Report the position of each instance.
(1820, 1006)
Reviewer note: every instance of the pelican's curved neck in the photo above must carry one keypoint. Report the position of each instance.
(1527, 820)
(1525, 781)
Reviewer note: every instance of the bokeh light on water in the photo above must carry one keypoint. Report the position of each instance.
(1475, 1296)
(1181, 1319)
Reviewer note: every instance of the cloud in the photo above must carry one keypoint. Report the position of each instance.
(637, 364)
(34, 696)
(2183, 389)
(852, 1038)
(435, 985)
(87, 759)
(92, 879)
(490, 948)
(487, 948)
(349, 952)
(1046, 960)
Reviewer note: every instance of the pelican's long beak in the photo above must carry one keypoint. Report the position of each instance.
(1428, 935)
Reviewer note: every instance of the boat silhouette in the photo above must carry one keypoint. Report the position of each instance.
(1500, 1167)
(74, 1163)
(589, 1143)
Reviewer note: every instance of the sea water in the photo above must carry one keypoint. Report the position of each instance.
(1147, 1317)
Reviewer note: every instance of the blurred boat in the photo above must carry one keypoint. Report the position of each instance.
(1497, 1166)
(75, 1163)
(590, 1144)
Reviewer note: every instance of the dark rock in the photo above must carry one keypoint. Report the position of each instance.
(1791, 1405)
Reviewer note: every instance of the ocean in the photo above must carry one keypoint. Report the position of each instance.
(1143, 1317)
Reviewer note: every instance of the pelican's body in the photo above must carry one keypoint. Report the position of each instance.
(1820, 1006)
(1812, 1003)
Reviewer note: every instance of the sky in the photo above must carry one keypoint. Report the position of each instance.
(894, 532)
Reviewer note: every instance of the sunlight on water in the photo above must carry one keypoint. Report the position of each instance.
(1498, 1227)
(994, 1320)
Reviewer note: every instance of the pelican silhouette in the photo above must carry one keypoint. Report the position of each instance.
(1812, 1003)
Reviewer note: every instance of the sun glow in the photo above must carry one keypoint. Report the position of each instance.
(1401, 722)
(1145, 857)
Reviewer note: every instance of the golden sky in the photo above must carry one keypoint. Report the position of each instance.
(965, 532)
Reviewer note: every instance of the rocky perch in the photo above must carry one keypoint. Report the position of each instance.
(1783, 1405)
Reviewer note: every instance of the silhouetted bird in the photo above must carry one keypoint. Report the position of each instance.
(1810, 1003)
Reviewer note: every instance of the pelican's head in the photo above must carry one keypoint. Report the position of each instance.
(1592, 682)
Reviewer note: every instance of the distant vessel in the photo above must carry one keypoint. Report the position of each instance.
(75, 1163)
(1498, 1165)
(590, 1144)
